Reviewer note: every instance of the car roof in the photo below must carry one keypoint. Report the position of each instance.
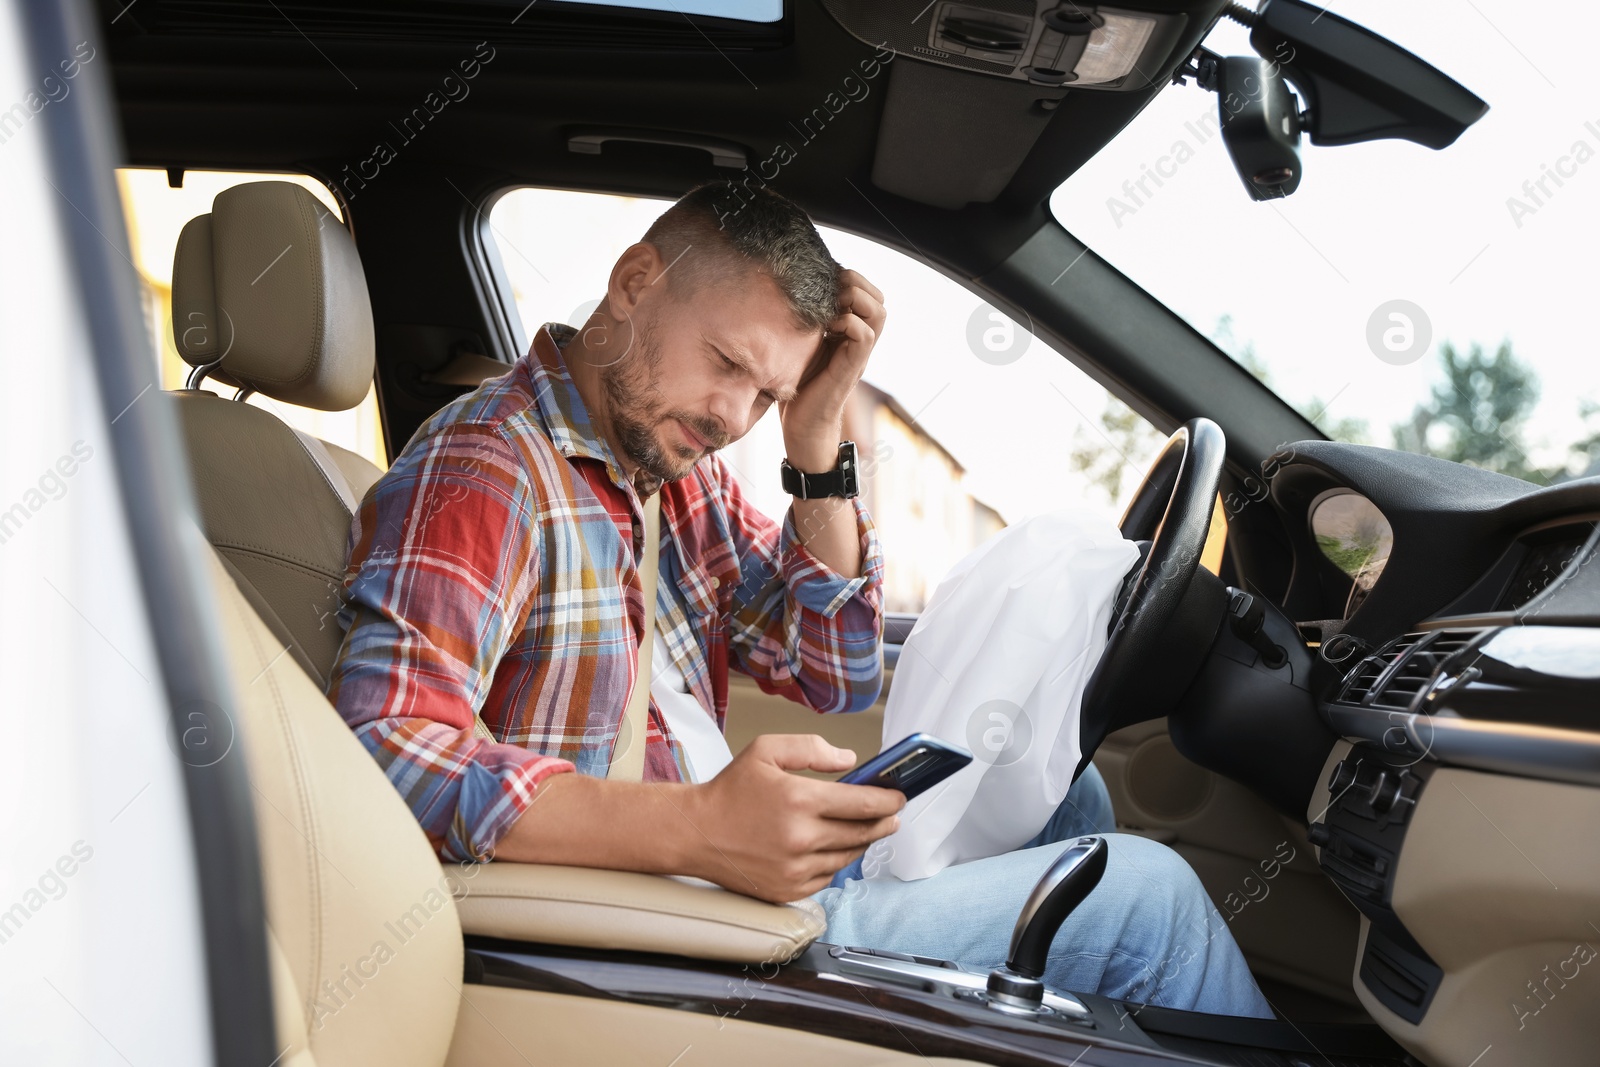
(313, 87)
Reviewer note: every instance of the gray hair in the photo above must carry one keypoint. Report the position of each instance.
(718, 229)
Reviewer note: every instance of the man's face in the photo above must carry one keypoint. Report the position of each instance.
(702, 367)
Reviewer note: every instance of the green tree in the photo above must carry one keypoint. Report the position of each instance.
(1586, 453)
(1122, 443)
(1477, 414)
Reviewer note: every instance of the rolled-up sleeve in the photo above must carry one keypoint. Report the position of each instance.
(443, 564)
(798, 627)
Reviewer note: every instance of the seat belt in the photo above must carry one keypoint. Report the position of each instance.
(627, 755)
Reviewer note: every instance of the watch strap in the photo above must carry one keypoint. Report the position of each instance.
(841, 481)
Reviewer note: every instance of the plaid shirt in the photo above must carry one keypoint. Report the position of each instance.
(493, 570)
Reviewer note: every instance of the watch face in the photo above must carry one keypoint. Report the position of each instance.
(847, 469)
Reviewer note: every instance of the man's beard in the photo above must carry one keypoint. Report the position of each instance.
(633, 401)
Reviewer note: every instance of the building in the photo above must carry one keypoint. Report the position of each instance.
(911, 484)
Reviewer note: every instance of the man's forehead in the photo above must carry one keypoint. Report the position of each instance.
(763, 363)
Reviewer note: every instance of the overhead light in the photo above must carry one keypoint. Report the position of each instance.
(1092, 47)
(1060, 44)
(1113, 49)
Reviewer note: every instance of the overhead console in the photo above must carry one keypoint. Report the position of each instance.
(974, 84)
(1043, 42)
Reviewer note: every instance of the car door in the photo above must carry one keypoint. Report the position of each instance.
(128, 889)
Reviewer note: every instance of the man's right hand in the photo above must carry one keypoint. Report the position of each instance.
(779, 836)
(755, 828)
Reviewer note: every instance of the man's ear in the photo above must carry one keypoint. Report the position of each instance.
(631, 277)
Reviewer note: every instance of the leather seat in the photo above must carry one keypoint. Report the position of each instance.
(268, 295)
(362, 933)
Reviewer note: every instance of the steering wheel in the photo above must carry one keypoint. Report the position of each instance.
(1164, 620)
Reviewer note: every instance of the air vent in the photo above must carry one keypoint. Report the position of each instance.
(1395, 676)
(1449, 642)
(1361, 683)
(1376, 667)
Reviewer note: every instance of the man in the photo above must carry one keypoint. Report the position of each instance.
(495, 571)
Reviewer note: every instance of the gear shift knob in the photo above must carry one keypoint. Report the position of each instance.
(1071, 878)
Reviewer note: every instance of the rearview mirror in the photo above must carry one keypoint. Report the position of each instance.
(1360, 86)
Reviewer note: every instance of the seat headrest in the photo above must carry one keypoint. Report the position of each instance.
(269, 288)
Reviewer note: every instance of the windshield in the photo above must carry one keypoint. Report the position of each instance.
(1436, 302)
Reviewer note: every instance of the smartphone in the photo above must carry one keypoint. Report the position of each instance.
(912, 766)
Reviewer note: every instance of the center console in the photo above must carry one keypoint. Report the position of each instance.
(936, 1007)
(1359, 840)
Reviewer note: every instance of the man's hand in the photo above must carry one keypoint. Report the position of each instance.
(755, 828)
(779, 836)
(812, 421)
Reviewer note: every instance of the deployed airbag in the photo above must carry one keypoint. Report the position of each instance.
(997, 663)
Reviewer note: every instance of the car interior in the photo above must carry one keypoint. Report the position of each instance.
(1379, 776)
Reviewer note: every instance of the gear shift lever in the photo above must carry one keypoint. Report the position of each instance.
(1070, 879)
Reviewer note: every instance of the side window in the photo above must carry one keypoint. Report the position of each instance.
(156, 214)
(964, 420)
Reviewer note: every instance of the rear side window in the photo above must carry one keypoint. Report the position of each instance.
(156, 214)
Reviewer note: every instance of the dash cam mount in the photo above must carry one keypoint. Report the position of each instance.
(1357, 86)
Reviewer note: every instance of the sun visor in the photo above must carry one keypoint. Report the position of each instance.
(949, 139)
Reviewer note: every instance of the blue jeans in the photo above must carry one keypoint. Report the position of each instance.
(1147, 934)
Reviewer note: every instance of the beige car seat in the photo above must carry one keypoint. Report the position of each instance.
(268, 295)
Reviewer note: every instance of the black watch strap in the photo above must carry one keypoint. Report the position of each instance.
(841, 481)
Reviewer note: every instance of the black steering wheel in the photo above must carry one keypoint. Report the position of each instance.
(1165, 619)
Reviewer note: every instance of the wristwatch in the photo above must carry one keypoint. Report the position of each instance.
(841, 481)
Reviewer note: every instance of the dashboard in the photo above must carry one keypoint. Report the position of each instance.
(1471, 608)
(1416, 538)
(1459, 629)
(1534, 561)
(1354, 536)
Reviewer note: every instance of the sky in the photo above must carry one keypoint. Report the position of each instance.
(1384, 221)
